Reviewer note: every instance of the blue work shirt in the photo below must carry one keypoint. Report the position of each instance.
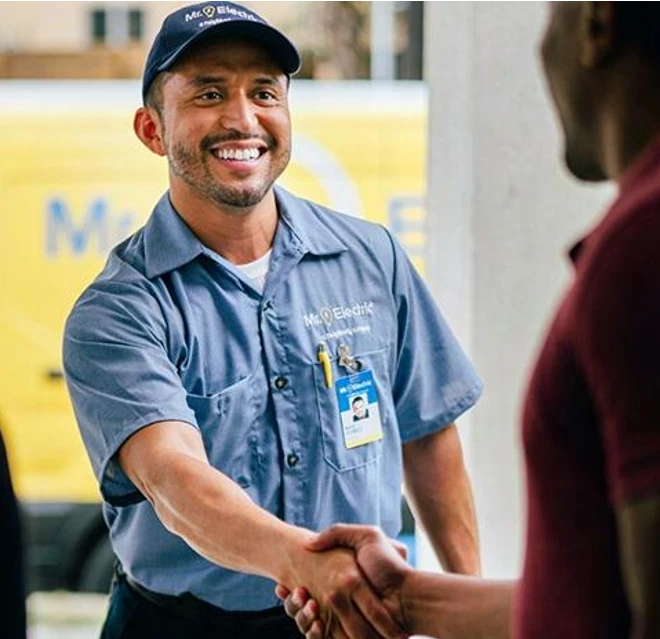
(172, 331)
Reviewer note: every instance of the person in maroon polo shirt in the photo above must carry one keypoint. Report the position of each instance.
(591, 422)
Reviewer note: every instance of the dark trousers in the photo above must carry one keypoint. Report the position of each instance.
(131, 616)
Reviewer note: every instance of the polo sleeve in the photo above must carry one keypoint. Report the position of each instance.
(618, 342)
(119, 376)
(434, 382)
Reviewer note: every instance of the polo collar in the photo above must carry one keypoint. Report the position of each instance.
(169, 242)
(307, 227)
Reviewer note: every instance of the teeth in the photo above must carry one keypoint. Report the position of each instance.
(238, 154)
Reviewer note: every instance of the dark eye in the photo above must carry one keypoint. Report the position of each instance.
(265, 95)
(211, 95)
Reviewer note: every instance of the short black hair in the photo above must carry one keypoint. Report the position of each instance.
(638, 25)
(154, 95)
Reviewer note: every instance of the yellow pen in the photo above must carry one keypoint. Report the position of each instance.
(324, 358)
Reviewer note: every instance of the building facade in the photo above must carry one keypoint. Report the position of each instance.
(104, 38)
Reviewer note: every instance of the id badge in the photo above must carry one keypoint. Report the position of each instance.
(358, 409)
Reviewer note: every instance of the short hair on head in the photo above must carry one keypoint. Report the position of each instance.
(638, 25)
(154, 95)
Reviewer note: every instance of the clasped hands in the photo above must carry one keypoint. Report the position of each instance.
(357, 589)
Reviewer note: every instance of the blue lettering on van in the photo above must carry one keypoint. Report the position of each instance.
(97, 231)
(406, 219)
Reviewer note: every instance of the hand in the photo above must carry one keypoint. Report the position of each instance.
(380, 559)
(343, 600)
(301, 607)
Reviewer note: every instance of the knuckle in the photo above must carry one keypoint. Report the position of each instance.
(349, 581)
(335, 597)
(372, 532)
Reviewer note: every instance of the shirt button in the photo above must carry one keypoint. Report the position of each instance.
(292, 459)
(281, 382)
(243, 482)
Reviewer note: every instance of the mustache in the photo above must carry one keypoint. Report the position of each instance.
(209, 141)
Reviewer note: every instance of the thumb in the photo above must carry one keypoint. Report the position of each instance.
(346, 535)
(401, 548)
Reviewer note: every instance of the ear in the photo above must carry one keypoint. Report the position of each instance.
(148, 127)
(597, 33)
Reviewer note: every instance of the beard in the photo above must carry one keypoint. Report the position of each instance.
(582, 166)
(193, 168)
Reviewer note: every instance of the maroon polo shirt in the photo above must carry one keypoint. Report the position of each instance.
(591, 421)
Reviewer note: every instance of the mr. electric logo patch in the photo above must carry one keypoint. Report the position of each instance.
(326, 316)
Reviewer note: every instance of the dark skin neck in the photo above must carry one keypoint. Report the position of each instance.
(631, 116)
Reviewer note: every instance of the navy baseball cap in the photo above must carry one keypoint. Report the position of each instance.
(191, 23)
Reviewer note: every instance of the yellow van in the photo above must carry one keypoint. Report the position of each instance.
(74, 181)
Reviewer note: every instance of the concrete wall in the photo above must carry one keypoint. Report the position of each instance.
(502, 212)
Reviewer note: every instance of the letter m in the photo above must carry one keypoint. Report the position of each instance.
(61, 228)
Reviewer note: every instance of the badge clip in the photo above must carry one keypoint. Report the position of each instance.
(346, 360)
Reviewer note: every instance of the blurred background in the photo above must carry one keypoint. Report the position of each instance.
(429, 117)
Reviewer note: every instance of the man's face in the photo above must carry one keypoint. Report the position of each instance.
(574, 89)
(226, 124)
(359, 408)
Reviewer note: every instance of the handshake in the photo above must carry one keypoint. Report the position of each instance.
(365, 600)
(360, 587)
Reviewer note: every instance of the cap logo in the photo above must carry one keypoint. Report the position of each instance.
(211, 14)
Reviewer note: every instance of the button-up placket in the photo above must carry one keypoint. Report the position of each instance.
(286, 255)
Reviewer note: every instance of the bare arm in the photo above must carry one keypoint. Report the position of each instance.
(639, 526)
(457, 607)
(168, 463)
(440, 494)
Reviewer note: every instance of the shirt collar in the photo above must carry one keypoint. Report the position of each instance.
(302, 218)
(165, 230)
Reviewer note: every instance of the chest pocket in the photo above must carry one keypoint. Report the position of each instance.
(227, 424)
(335, 452)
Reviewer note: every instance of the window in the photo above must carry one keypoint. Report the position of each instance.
(116, 26)
(135, 25)
(98, 26)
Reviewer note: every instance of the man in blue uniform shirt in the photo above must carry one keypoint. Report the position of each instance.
(212, 362)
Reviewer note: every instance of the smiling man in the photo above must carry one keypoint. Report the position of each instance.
(215, 409)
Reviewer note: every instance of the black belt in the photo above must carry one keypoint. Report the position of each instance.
(191, 607)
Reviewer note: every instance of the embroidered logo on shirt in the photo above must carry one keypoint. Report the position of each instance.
(336, 320)
(328, 315)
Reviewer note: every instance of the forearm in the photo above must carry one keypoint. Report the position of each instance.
(639, 522)
(220, 521)
(457, 607)
(439, 490)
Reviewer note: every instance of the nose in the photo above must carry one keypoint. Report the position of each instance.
(239, 114)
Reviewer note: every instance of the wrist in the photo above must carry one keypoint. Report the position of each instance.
(409, 599)
(290, 554)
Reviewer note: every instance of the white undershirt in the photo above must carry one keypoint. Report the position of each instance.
(257, 271)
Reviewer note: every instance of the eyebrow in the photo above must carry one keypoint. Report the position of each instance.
(206, 80)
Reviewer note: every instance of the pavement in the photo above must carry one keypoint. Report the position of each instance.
(65, 615)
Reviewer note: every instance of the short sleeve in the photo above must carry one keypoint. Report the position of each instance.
(434, 382)
(119, 376)
(618, 341)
